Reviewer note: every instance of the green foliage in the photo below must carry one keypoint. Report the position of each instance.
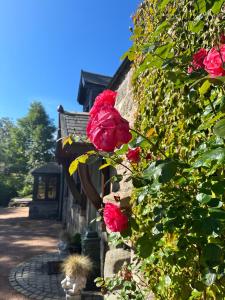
(24, 146)
(36, 130)
(179, 197)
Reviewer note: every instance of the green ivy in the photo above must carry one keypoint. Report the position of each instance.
(178, 236)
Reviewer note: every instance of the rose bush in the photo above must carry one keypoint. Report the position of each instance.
(107, 130)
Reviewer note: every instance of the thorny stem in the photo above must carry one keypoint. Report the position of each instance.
(150, 142)
(213, 108)
(121, 164)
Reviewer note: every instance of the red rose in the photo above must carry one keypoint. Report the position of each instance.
(197, 60)
(213, 62)
(107, 130)
(133, 155)
(107, 97)
(114, 219)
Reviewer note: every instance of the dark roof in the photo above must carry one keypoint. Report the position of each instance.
(49, 168)
(87, 80)
(73, 123)
(95, 78)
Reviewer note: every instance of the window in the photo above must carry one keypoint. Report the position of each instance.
(47, 187)
(41, 188)
(52, 187)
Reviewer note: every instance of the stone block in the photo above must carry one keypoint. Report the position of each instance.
(114, 260)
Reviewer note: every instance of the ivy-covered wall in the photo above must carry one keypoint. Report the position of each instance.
(179, 226)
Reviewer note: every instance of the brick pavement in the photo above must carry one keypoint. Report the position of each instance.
(31, 278)
(20, 240)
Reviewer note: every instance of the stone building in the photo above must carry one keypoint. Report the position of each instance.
(82, 194)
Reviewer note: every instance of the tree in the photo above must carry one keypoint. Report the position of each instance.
(24, 146)
(6, 126)
(12, 162)
(37, 132)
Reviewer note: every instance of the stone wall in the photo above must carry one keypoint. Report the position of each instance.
(128, 109)
(124, 102)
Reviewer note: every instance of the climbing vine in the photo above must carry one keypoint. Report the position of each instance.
(175, 226)
(179, 230)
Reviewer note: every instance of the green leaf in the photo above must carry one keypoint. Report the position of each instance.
(219, 187)
(73, 166)
(163, 4)
(201, 5)
(67, 140)
(139, 182)
(206, 226)
(203, 198)
(217, 6)
(83, 158)
(209, 156)
(199, 213)
(209, 278)
(217, 213)
(168, 170)
(162, 170)
(219, 128)
(205, 87)
(197, 25)
(122, 150)
(214, 202)
(104, 166)
(165, 51)
(212, 254)
(161, 27)
(145, 245)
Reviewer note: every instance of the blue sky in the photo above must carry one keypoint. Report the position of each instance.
(45, 43)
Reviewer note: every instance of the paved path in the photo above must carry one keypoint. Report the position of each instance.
(32, 278)
(21, 239)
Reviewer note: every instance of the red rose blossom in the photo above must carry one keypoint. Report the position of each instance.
(213, 62)
(197, 60)
(107, 97)
(107, 130)
(133, 155)
(114, 219)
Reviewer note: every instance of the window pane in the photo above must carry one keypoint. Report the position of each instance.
(41, 188)
(52, 188)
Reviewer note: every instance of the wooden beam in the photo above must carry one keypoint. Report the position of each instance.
(88, 186)
(72, 184)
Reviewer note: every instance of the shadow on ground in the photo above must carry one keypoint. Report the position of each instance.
(21, 239)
